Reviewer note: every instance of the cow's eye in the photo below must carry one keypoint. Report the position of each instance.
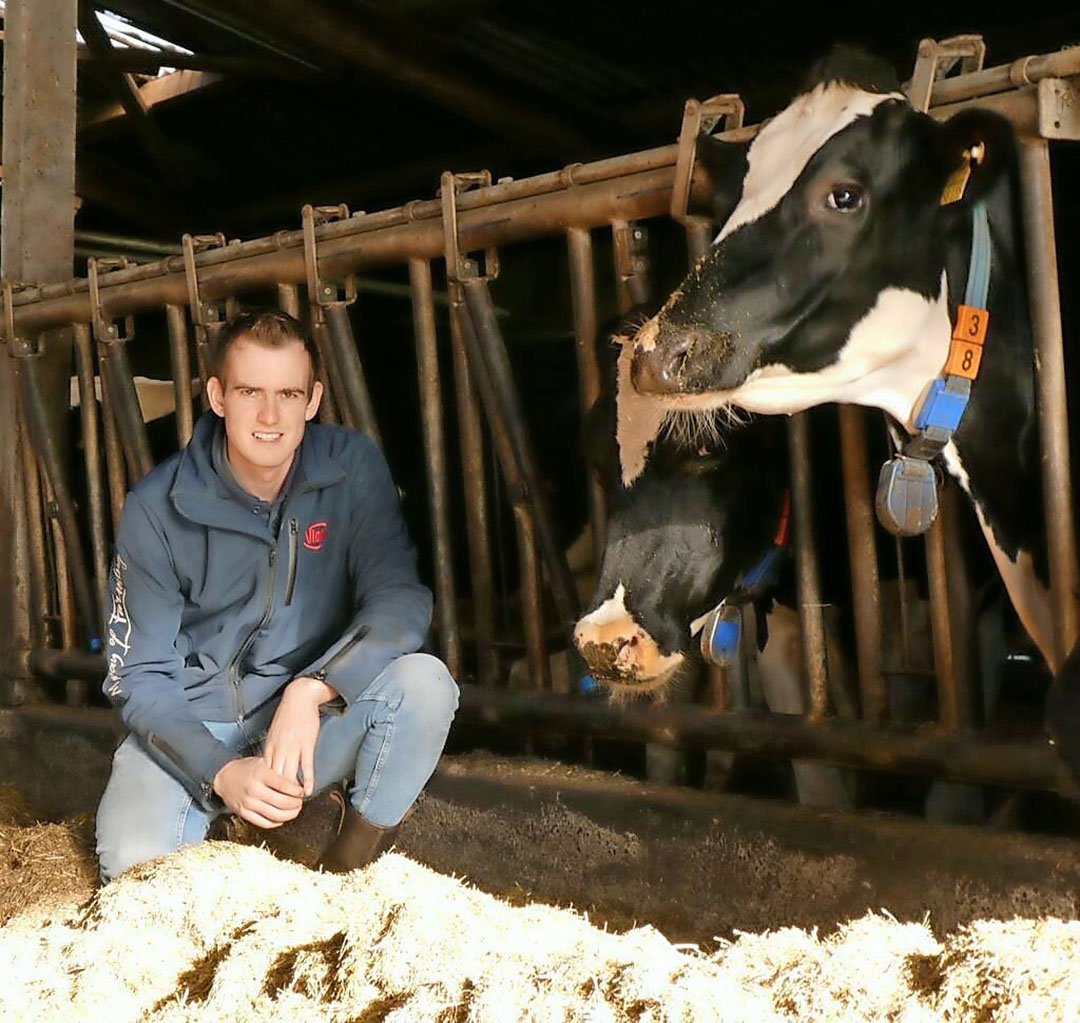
(845, 198)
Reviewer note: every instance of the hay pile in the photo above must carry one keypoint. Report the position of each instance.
(41, 864)
(223, 932)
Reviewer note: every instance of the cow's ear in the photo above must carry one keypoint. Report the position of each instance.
(978, 151)
(725, 165)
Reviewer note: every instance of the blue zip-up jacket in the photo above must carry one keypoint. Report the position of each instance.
(211, 614)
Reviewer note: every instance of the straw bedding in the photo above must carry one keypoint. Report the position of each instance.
(226, 932)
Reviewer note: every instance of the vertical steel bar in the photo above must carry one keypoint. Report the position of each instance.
(180, 357)
(354, 382)
(698, 238)
(865, 587)
(114, 461)
(289, 302)
(631, 277)
(431, 416)
(334, 382)
(1038, 201)
(941, 625)
(961, 595)
(518, 495)
(583, 296)
(810, 617)
(35, 532)
(95, 484)
(504, 406)
(74, 689)
(116, 378)
(477, 526)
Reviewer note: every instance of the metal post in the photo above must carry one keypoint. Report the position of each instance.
(95, 484)
(431, 416)
(289, 302)
(1038, 203)
(354, 383)
(810, 617)
(333, 379)
(631, 264)
(114, 462)
(941, 623)
(37, 561)
(961, 593)
(518, 495)
(476, 513)
(117, 380)
(37, 244)
(698, 238)
(590, 384)
(180, 357)
(503, 405)
(865, 588)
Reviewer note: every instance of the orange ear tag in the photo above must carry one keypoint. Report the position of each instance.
(956, 185)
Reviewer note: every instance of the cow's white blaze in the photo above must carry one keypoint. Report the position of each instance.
(1030, 599)
(786, 144)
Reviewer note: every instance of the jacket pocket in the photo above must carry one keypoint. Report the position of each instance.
(293, 541)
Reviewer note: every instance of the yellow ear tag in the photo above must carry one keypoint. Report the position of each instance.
(958, 181)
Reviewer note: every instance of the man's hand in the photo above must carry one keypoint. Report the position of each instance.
(289, 749)
(253, 791)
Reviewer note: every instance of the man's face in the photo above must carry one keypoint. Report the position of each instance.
(264, 399)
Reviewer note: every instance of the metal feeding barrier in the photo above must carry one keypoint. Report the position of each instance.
(465, 226)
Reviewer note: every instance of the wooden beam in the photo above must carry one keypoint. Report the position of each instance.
(155, 92)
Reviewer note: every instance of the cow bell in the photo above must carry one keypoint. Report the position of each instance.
(720, 635)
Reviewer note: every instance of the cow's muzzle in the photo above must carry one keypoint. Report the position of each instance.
(679, 360)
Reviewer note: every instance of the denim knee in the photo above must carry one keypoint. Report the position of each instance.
(425, 687)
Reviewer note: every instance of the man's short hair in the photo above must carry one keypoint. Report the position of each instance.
(270, 328)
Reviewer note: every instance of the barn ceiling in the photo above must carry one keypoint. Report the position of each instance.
(368, 101)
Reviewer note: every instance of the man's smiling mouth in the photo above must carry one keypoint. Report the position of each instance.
(258, 435)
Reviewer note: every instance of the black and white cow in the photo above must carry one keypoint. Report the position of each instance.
(836, 277)
(687, 527)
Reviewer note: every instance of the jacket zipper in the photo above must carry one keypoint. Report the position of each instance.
(234, 674)
(293, 528)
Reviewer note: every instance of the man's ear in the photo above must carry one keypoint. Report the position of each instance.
(725, 166)
(215, 394)
(984, 143)
(313, 401)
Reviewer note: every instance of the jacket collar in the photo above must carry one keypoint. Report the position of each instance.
(199, 494)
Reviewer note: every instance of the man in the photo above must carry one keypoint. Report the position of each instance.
(265, 613)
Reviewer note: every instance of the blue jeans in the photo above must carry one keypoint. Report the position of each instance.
(387, 742)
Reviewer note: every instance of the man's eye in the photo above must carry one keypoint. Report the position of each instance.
(845, 198)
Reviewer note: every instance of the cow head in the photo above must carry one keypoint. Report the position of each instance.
(679, 536)
(827, 281)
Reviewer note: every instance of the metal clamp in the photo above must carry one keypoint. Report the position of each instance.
(204, 314)
(321, 291)
(458, 264)
(700, 118)
(936, 60)
(18, 347)
(105, 331)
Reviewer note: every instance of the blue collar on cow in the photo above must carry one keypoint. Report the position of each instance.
(721, 626)
(907, 500)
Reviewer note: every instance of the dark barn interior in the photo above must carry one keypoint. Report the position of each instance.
(217, 120)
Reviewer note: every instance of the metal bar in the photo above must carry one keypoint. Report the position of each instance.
(503, 405)
(354, 383)
(289, 302)
(477, 526)
(698, 238)
(180, 357)
(961, 599)
(38, 575)
(1004, 77)
(74, 689)
(431, 417)
(337, 410)
(944, 665)
(590, 384)
(1029, 765)
(95, 483)
(48, 452)
(116, 378)
(114, 462)
(810, 618)
(517, 494)
(1038, 200)
(631, 268)
(862, 547)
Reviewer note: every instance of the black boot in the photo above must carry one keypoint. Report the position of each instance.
(357, 842)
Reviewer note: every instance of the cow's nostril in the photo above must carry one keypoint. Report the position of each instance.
(661, 369)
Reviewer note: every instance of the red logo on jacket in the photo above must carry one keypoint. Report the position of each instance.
(315, 536)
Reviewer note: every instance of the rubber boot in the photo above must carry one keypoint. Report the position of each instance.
(357, 842)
